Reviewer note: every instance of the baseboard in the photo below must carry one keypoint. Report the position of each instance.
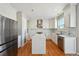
(72, 53)
(19, 47)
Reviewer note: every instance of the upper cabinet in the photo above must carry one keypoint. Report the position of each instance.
(66, 16)
(73, 15)
(77, 16)
(53, 23)
(70, 15)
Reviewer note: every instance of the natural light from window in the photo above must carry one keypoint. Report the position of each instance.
(60, 22)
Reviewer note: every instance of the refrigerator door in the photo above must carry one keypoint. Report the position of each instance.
(6, 30)
(4, 46)
(13, 36)
(2, 27)
(4, 53)
(15, 30)
(11, 29)
(12, 51)
(9, 51)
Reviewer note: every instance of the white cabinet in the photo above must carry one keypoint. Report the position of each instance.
(70, 16)
(39, 44)
(67, 16)
(73, 15)
(53, 23)
(66, 20)
(70, 45)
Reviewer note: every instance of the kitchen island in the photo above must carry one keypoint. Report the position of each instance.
(39, 43)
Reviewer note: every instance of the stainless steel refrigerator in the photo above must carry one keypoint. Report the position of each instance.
(8, 36)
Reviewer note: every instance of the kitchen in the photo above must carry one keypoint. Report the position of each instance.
(57, 24)
(62, 32)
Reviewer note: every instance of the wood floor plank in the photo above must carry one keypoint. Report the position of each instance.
(51, 50)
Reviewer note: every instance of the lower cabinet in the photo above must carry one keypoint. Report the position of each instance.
(67, 44)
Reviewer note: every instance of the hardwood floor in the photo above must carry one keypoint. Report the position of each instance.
(51, 50)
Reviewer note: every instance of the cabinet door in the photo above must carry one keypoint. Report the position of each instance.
(70, 45)
(38, 45)
(67, 20)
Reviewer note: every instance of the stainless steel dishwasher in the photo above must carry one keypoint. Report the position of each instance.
(61, 43)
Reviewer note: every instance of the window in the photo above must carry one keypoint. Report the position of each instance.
(60, 22)
(39, 23)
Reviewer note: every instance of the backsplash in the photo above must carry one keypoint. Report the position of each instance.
(71, 31)
(46, 31)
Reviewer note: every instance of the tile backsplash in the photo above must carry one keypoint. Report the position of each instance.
(46, 31)
(71, 31)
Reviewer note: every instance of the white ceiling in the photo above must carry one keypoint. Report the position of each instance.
(39, 10)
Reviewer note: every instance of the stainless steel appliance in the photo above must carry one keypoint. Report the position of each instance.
(61, 42)
(8, 37)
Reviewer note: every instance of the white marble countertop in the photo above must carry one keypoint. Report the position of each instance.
(66, 36)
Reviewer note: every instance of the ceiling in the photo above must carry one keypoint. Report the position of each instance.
(39, 10)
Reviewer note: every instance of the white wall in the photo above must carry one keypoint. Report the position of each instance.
(7, 10)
